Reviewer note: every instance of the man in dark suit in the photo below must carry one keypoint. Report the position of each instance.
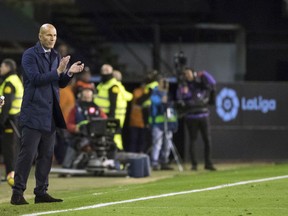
(44, 72)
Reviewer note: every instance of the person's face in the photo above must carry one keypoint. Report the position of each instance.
(164, 84)
(4, 69)
(117, 75)
(87, 95)
(48, 36)
(86, 77)
(188, 74)
(106, 69)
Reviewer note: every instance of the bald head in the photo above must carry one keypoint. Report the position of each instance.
(106, 69)
(46, 27)
(47, 36)
(117, 74)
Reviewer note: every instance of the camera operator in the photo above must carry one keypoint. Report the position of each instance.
(194, 96)
(84, 110)
(163, 123)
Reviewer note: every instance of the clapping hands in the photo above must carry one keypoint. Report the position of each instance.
(77, 67)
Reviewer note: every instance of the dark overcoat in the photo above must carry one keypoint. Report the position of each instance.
(41, 89)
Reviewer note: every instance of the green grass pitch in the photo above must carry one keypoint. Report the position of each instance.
(265, 198)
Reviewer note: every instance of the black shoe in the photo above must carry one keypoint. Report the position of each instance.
(166, 167)
(17, 199)
(210, 167)
(46, 198)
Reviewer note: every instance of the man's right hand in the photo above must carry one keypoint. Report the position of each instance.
(63, 64)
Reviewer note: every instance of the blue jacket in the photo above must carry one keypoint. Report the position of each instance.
(41, 90)
(161, 113)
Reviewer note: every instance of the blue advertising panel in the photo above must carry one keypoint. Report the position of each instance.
(249, 121)
(251, 104)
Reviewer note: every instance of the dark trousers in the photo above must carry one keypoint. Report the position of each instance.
(202, 125)
(139, 139)
(34, 144)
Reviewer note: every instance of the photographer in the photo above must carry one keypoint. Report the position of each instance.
(194, 96)
(163, 123)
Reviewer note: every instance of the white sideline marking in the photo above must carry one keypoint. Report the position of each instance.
(158, 196)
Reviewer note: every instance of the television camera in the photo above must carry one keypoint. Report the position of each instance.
(101, 162)
(101, 133)
(180, 61)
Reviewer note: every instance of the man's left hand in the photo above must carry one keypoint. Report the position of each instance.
(77, 67)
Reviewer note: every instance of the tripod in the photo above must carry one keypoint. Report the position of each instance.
(172, 146)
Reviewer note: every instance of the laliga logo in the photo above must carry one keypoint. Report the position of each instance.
(259, 104)
(227, 104)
